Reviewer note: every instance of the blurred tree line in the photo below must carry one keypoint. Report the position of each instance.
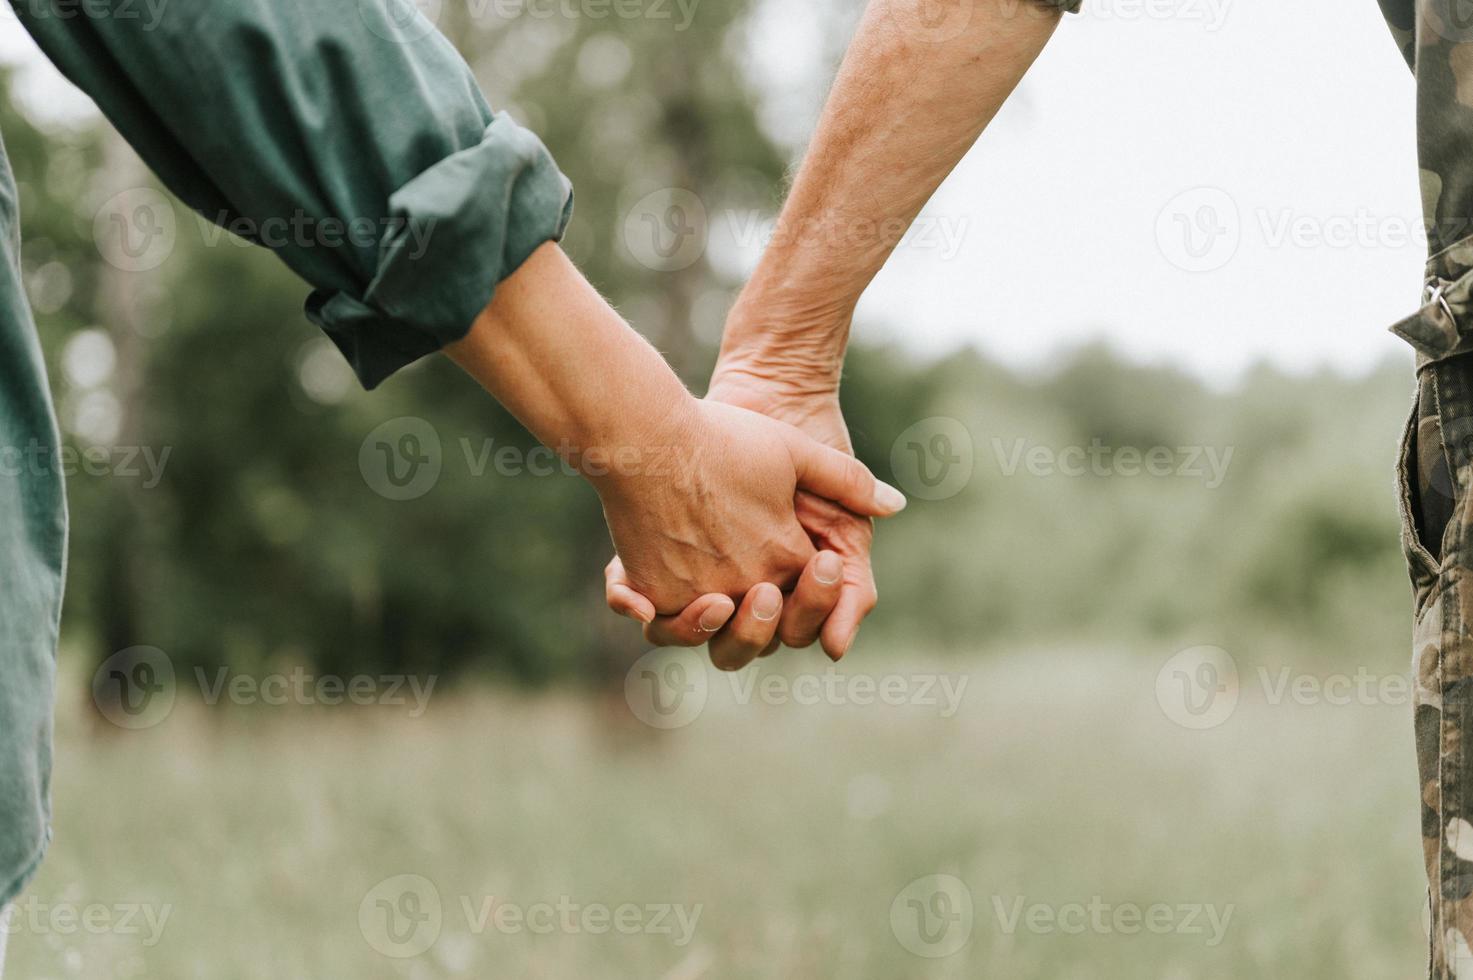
(259, 541)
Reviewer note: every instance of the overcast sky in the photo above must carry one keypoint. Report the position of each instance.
(1204, 182)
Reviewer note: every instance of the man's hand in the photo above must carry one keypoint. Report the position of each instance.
(905, 108)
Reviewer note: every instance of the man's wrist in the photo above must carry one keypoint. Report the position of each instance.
(792, 339)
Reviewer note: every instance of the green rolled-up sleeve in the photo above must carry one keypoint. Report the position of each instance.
(347, 136)
(1070, 6)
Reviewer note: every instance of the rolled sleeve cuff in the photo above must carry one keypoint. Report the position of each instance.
(455, 232)
(1068, 6)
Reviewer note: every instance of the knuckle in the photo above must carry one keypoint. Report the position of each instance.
(798, 637)
(727, 658)
(750, 634)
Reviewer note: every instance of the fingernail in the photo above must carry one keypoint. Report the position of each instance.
(888, 498)
(714, 617)
(644, 616)
(829, 568)
(768, 604)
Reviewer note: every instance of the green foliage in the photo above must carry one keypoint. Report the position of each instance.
(263, 542)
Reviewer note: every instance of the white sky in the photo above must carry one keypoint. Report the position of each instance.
(1066, 225)
(1303, 117)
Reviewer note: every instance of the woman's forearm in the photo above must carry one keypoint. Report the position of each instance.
(553, 351)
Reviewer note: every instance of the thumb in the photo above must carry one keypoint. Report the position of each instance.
(838, 476)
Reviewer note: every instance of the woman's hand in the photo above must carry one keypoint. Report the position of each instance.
(701, 496)
(837, 589)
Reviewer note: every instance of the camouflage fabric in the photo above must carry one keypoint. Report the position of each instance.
(1436, 471)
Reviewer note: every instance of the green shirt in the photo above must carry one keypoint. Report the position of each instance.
(326, 112)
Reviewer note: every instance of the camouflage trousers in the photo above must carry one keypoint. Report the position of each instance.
(1436, 471)
(1437, 533)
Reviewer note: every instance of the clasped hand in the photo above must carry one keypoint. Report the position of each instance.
(723, 549)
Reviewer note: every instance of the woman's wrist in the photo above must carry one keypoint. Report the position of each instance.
(581, 380)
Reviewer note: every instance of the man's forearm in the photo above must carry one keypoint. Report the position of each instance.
(907, 105)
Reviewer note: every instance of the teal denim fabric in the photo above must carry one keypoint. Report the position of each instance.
(259, 112)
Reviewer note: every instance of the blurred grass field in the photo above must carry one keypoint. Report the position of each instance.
(793, 826)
